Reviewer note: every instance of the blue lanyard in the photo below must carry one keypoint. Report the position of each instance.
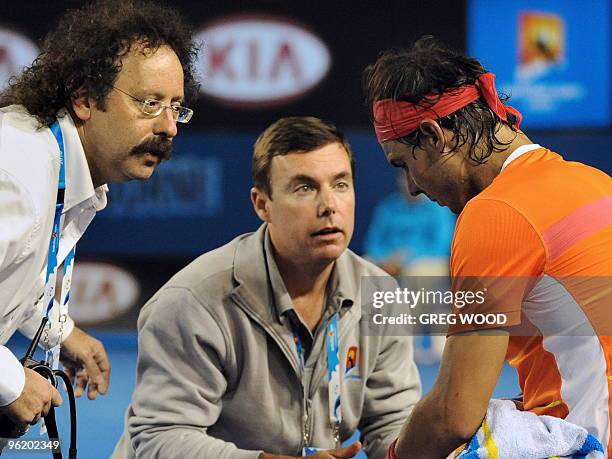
(332, 340)
(59, 207)
(55, 240)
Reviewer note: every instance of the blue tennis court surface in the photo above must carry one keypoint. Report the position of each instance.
(100, 422)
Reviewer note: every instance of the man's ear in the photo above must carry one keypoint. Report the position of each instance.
(434, 137)
(81, 104)
(260, 204)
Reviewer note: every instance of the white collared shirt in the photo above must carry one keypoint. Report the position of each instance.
(29, 167)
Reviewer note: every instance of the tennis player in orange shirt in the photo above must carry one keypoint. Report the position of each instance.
(524, 213)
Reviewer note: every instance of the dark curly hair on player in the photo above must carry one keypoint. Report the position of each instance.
(420, 75)
(85, 49)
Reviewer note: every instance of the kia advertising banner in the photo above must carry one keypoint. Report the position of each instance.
(108, 292)
(260, 60)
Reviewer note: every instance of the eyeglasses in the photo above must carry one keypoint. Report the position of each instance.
(154, 108)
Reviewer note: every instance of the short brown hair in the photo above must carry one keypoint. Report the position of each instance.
(294, 134)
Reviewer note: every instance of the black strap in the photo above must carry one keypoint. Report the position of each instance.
(72, 450)
(8, 429)
(52, 430)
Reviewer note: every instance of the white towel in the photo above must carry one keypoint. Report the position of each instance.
(508, 432)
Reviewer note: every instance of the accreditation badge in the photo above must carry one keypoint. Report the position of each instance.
(309, 450)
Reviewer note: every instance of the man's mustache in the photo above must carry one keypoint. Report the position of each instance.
(158, 146)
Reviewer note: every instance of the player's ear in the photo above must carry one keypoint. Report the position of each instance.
(434, 137)
(260, 200)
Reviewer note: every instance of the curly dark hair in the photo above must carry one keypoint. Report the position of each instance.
(420, 75)
(84, 51)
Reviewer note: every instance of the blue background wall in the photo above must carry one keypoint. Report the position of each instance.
(210, 176)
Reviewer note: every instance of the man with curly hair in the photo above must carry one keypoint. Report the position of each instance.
(100, 104)
(534, 226)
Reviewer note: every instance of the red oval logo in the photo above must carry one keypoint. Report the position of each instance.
(101, 292)
(260, 61)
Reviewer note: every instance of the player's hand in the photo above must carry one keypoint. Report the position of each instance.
(36, 399)
(86, 363)
(337, 453)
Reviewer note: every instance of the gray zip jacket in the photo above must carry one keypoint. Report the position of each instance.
(218, 373)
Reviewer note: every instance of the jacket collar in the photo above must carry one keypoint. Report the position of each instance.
(253, 277)
(79, 185)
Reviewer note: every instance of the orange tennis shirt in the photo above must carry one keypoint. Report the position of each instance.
(550, 220)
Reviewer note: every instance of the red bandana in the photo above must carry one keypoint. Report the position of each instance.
(396, 118)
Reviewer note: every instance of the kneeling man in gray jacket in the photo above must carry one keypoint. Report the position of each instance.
(258, 350)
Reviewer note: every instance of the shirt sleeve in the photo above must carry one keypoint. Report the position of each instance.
(18, 223)
(32, 322)
(171, 407)
(498, 254)
(12, 380)
(391, 392)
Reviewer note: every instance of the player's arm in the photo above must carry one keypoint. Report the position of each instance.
(451, 413)
(19, 229)
(391, 392)
(494, 244)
